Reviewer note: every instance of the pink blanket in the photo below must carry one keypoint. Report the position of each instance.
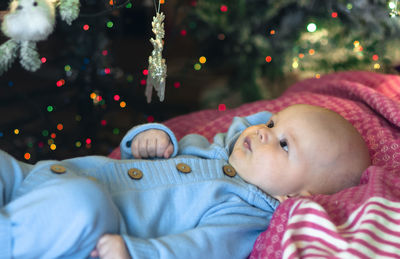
(360, 222)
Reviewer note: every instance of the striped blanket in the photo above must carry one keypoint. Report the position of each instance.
(359, 222)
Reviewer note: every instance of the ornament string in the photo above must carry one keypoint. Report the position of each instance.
(155, 6)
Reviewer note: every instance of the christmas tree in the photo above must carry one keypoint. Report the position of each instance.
(255, 39)
(89, 89)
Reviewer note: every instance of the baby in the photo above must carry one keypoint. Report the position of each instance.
(301, 150)
(205, 200)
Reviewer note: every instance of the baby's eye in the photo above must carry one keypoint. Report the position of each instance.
(270, 124)
(284, 145)
(35, 3)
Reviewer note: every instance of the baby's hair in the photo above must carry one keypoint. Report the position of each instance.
(345, 169)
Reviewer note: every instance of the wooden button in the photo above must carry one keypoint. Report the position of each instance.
(229, 170)
(135, 174)
(58, 169)
(183, 168)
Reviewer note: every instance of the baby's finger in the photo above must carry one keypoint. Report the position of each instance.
(162, 144)
(101, 246)
(94, 253)
(160, 148)
(135, 149)
(143, 148)
(151, 147)
(169, 150)
(105, 246)
(103, 240)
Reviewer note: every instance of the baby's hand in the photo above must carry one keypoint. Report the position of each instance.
(152, 143)
(111, 247)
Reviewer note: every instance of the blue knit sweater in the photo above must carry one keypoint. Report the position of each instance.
(181, 207)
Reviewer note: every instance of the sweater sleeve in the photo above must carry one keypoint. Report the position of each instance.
(239, 124)
(125, 145)
(5, 236)
(226, 231)
(12, 173)
(197, 145)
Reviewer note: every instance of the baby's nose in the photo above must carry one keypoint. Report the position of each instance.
(262, 134)
(19, 7)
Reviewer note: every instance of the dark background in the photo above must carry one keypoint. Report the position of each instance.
(255, 49)
(25, 96)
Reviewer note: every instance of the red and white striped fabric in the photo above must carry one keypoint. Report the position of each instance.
(371, 230)
(359, 222)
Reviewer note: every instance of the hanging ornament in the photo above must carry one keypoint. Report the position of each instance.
(157, 67)
(27, 22)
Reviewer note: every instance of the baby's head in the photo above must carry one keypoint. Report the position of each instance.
(302, 150)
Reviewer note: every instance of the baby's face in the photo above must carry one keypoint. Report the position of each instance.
(281, 156)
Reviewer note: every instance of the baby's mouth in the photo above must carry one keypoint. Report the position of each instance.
(247, 143)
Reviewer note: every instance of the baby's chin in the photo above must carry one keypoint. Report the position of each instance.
(235, 162)
(231, 159)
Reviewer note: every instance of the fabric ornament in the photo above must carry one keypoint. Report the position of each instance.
(30, 21)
